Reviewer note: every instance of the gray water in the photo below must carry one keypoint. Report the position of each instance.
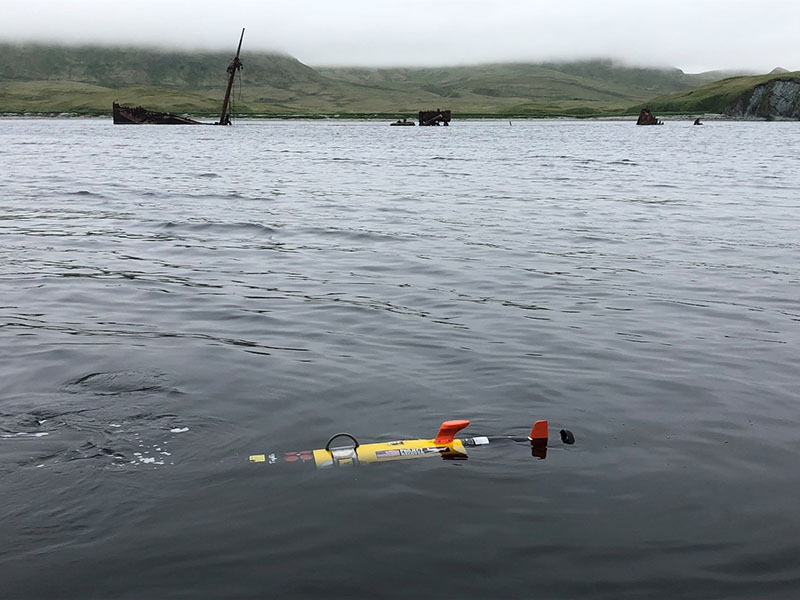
(173, 299)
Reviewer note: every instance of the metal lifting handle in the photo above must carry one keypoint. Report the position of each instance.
(328, 445)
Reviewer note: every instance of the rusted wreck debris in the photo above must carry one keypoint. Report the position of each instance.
(134, 115)
(647, 118)
(434, 117)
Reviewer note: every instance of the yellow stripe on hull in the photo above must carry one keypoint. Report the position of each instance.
(388, 451)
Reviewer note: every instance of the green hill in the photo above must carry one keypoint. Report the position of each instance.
(776, 95)
(598, 80)
(121, 67)
(86, 80)
(565, 88)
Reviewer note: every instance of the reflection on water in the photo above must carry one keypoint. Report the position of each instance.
(173, 300)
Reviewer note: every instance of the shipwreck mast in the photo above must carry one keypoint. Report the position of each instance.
(236, 64)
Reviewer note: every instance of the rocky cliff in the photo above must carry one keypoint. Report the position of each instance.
(778, 99)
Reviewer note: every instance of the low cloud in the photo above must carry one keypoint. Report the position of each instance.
(695, 36)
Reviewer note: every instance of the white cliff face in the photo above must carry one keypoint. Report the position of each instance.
(778, 99)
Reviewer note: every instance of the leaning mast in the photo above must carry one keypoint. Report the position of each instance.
(236, 64)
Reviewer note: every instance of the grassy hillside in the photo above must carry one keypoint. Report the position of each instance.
(593, 81)
(714, 98)
(580, 88)
(121, 67)
(85, 80)
(83, 98)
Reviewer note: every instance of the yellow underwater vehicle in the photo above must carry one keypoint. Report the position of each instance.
(445, 445)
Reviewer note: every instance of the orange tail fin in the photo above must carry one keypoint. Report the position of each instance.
(448, 430)
(539, 432)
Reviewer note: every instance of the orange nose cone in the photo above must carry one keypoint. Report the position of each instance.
(448, 430)
(539, 431)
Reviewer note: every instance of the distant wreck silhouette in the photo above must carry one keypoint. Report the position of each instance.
(647, 118)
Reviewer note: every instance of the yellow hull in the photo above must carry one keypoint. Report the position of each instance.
(372, 453)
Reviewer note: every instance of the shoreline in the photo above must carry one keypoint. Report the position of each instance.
(392, 117)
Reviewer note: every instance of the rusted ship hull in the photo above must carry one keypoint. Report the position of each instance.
(136, 115)
(647, 118)
(434, 117)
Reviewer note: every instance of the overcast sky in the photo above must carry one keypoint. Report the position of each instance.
(694, 35)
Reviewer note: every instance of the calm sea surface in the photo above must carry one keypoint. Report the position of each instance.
(173, 299)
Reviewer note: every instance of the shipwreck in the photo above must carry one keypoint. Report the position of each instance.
(647, 118)
(136, 115)
(434, 117)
